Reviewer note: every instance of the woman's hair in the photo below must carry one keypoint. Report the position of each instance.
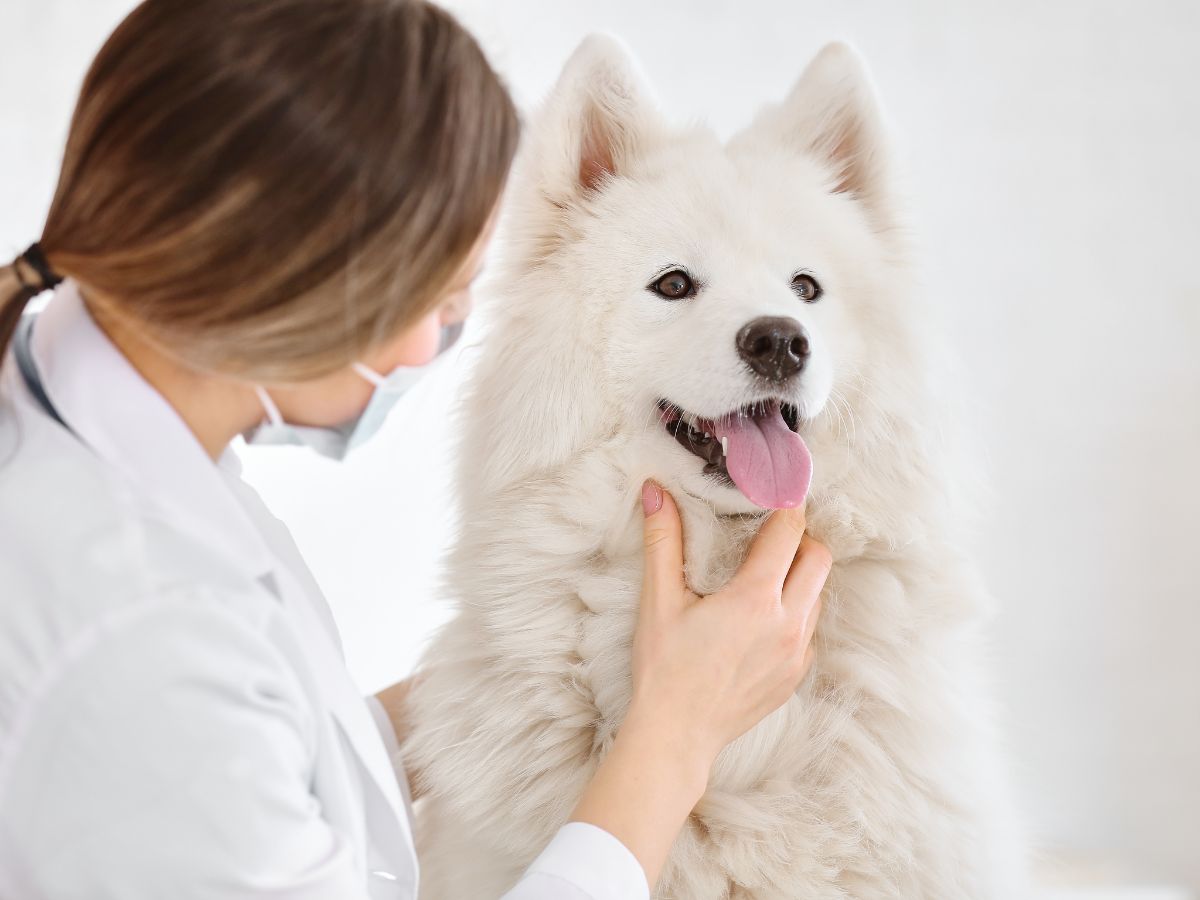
(270, 188)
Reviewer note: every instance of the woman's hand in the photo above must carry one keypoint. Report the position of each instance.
(705, 670)
(712, 667)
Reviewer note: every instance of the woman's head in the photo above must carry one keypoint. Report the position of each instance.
(272, 189)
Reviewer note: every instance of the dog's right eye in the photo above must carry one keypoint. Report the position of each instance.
(674, 286)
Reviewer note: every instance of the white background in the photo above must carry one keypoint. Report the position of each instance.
(1052, 151)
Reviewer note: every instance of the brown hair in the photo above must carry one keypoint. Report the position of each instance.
(273, 187)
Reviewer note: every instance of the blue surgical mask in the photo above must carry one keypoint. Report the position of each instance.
(336, 441)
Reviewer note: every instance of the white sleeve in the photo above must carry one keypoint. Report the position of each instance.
(583, 862)
(169, 755)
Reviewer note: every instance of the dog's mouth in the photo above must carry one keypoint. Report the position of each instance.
(755, 448)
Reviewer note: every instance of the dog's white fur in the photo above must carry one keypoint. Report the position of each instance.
(875, 780)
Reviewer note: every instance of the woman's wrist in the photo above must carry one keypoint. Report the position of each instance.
(647, 723)
(645, 787)
(394, 701)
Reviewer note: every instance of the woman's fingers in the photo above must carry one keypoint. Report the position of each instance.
(806, 577)
(810, 623)
(803, 654)
(662, 572)
(774, 547)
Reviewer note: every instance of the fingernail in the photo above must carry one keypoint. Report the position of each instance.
(651, 497)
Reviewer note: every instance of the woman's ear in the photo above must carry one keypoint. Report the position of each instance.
(593, 124)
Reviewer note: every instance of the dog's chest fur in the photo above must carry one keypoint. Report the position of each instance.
(859, 787)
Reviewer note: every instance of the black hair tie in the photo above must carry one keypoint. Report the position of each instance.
(36, 260)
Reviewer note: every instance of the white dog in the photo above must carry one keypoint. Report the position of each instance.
(719, 317)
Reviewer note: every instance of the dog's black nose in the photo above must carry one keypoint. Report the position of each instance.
(775, 347)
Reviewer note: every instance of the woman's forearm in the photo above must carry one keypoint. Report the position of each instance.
(645, 788)
(641, 793)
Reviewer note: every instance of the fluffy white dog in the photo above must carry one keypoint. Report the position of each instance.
(719, 317)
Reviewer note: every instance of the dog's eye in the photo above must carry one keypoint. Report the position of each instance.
(674, 286)
(806, 287)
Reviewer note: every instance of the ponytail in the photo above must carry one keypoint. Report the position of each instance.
(26, 277)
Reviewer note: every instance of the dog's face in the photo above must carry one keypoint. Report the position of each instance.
(723, 291)
(723, 311)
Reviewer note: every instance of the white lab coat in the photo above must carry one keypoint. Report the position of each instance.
(175, 716)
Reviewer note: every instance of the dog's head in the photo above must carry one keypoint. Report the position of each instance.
(714, 304)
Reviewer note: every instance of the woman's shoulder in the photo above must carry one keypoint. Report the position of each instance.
(78, 541)
(86, 567)
(65, 517)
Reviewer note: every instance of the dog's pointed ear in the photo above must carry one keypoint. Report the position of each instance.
(593, 123)
(832, 113)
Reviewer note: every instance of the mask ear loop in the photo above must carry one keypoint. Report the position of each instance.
(450, 335)
(370, 374)
(273, 415)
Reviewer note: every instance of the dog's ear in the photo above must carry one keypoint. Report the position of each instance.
(833, 115)
(593, 122)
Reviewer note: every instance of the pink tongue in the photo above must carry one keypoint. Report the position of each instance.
(768, 461)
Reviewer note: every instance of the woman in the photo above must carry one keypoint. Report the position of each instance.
(268, 218)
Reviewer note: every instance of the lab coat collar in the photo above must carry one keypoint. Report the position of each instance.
(122, 418)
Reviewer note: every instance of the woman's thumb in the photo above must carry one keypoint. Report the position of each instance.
(662, 580)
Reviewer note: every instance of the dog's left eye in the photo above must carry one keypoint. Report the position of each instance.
(674, 286)
(806, 287)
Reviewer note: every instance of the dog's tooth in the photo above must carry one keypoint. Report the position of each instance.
(725, 445)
